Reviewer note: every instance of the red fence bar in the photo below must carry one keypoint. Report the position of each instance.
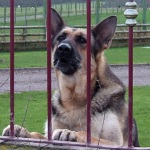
(130, 14)
(88, 71)
(49, 105)
(130, 89)
(12, 68)
(64, 143)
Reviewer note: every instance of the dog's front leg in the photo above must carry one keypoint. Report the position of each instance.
(80, 136)
(22, 132)
(64, 135)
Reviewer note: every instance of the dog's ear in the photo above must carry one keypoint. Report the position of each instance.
(57, 23)
(103, 33)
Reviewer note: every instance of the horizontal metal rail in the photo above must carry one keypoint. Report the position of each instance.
(44, 41)
(25, 34)
(78, 26)
(23, 27)
(63, 143)
(43, 34)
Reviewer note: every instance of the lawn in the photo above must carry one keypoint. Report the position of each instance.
(142, 113)
(25, 101)
(35, 104)
(38, 58)
(72, 16)
(24, 59)
(120, 55)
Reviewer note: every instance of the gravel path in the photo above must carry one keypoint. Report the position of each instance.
(35, 79)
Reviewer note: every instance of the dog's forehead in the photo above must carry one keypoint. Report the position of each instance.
(74, 31)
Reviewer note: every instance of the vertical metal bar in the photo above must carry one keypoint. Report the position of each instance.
(130, 89)
(49, 67)
(88, 71)
(12, 68)
(130, 14)
(144, 5)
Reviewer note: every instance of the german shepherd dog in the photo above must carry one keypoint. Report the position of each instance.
(109, 117)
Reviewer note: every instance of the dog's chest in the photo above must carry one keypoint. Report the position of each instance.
(73, 119)
(104, 125)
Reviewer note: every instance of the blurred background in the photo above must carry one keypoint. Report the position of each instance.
(30, 18)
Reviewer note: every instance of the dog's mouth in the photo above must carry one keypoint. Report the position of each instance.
(66, 59)
(67, 66)
(63, 61)
(60, 61)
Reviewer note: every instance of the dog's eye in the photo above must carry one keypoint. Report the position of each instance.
(61, 37)
(81, 39)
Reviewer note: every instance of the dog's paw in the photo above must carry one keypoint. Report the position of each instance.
(18, 131)
(64, 135)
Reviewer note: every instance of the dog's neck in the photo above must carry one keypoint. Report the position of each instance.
(104, 74)
(73, 88)
(102, 67)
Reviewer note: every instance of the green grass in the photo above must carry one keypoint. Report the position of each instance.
(141, 113)
(120, 55)
(72, 17)
(24, 59)
(38, 58)
(81, 19)
(36, 112)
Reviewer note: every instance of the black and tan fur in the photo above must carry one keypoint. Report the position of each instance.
(109, 111)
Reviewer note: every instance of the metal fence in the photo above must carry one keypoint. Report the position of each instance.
(27, 11)
(49, 141)
(34, 37)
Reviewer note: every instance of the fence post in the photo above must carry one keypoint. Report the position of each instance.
(68, 10)
(88, 72)
(11, 68)
(25, 30)
(15, 14)
(97, 11)
(49, 104)
(44, 18)
(61, 9)
(144, 13)
(83, 8)
(5, 15)
(75, 8)
(25, 16)
(130, 14)
(35, 11)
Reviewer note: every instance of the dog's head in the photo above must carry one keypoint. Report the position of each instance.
(69, 45)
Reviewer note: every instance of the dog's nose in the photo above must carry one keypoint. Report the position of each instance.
(64, 48)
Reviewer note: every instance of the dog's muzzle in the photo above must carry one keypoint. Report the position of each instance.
(63, 52)
(64, 48)
(66, 59)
